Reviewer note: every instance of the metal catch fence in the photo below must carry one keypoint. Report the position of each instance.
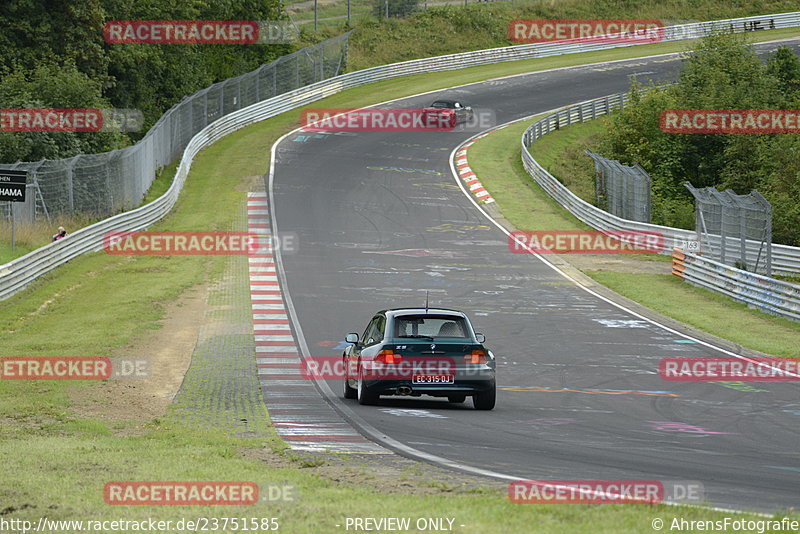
(623, 190)
(725, 222)
(103, 184)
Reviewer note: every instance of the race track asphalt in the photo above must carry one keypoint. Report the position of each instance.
(380, 221)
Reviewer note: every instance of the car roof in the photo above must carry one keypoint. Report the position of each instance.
(445, 101)
(422, 311)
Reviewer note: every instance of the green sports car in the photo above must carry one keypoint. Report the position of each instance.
(419, 351)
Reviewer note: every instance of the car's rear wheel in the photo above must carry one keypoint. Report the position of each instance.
(349, 393)
(484, 400)
(456, 399)
(365, 396)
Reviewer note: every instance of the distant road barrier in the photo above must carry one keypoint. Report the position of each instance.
(785, 259)
(772, 296)
(766, 294)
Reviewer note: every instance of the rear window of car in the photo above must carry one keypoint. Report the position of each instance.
(433, 326)
(442, 104)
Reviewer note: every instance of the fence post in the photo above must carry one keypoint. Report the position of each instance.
(190, 105)
(109, 192)
(38, 191)
(321, 63)
(743, 237)
(768, 236)
(70, 190)
(722, 235)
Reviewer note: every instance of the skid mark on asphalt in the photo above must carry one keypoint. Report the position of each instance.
(739, 385)
(547, 421)
(590, 391)
(784, 467)
(457, 228)
(623, 323)
(403, 169)
(407, 412)
(437, 185)
(677, 426)
(419, 252)
(299, 414)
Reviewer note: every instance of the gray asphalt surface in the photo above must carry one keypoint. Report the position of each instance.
(380, 220)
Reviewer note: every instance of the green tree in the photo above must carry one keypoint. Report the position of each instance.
(155, 77)
(723, 72)
(32, 31)
(779, 164)
(53, 86)
(784, 66)
(67, 36)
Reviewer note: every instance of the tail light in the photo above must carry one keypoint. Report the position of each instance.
(388, 356)
(477, 356)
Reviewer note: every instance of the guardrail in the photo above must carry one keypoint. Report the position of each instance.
(785, 259)
(17, 274)
(766, 294)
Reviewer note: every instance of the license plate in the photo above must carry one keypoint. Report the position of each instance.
(432, 379)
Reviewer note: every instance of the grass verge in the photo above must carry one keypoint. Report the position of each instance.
(452, 29)
(56, 463)
(562, 154)
(496, 160)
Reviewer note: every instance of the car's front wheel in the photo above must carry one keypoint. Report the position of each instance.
(485, 400)
(365, 396)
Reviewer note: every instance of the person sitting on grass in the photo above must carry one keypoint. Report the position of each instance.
(61, 233)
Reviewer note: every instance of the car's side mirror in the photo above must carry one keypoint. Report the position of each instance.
(351, 338)
(481, 338)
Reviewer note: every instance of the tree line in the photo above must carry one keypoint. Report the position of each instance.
(53, 55)
(722, 72)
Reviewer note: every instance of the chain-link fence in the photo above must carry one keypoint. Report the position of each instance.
(725, 222)
(338, 12)
(622, 190)
(104, 184)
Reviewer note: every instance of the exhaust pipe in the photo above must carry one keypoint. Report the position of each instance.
(404, 390)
